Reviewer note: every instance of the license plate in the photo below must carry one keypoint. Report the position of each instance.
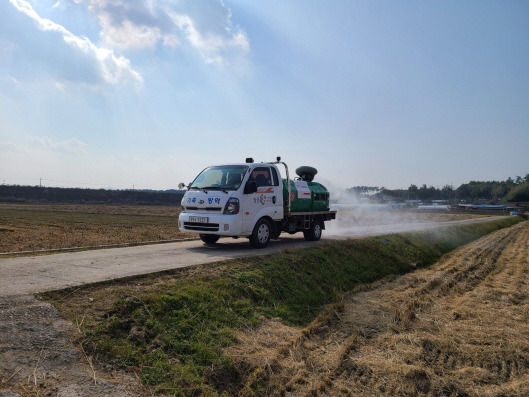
(198, 219)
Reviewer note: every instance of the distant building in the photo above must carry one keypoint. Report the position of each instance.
(434, 207)
(484, 207)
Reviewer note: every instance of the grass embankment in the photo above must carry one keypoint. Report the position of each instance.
(171, 328)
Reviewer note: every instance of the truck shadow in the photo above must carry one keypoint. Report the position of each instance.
(232, 248)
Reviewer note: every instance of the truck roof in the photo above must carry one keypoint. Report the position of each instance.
(243, 164)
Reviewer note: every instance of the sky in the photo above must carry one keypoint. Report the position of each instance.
(145, 94)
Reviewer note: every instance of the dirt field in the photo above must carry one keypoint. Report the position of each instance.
(56, 226)
(38, 227)
(38, 357)
(459, 328)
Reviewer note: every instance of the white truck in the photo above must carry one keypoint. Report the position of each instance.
(251, 200)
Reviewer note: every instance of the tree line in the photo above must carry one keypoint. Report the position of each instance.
(510, 190)
(28, 194)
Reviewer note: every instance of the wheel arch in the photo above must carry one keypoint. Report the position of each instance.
(321, 219)
(272, 222)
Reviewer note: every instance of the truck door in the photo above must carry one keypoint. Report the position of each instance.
(267, 201)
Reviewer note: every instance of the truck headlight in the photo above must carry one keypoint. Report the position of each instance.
(232, 206)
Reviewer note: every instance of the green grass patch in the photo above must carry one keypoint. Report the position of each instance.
(170, 329)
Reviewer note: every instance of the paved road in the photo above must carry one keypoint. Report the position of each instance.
(29, 275)
(35, 274)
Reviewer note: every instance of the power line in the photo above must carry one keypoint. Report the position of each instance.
(39, 181)
(44, 182)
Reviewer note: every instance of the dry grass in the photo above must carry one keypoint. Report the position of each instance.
(459, 328)
(40, 227)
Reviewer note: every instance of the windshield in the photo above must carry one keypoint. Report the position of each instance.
(225, 177)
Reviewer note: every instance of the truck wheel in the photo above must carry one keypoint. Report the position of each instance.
(209, 238)
(260, 236)
(314, 232)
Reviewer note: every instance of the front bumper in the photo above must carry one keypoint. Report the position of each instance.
(219, 224)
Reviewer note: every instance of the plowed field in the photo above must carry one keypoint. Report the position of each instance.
(458, 328)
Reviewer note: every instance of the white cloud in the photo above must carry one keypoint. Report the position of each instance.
(60, 86)
(72, 145)
(131, 25)
(210, 45)
(205, 25)
(80, 51)
(129, 35)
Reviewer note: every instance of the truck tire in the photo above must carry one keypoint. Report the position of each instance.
(314, 232)
(209, 238)
(261, 234)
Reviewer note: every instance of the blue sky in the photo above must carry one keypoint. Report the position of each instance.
(116, 93)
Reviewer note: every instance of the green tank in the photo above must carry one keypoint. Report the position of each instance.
(306, 196)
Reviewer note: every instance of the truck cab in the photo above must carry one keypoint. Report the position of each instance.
(240, 200)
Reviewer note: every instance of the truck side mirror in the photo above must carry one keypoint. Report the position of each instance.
(250, 187)
(181, 185)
